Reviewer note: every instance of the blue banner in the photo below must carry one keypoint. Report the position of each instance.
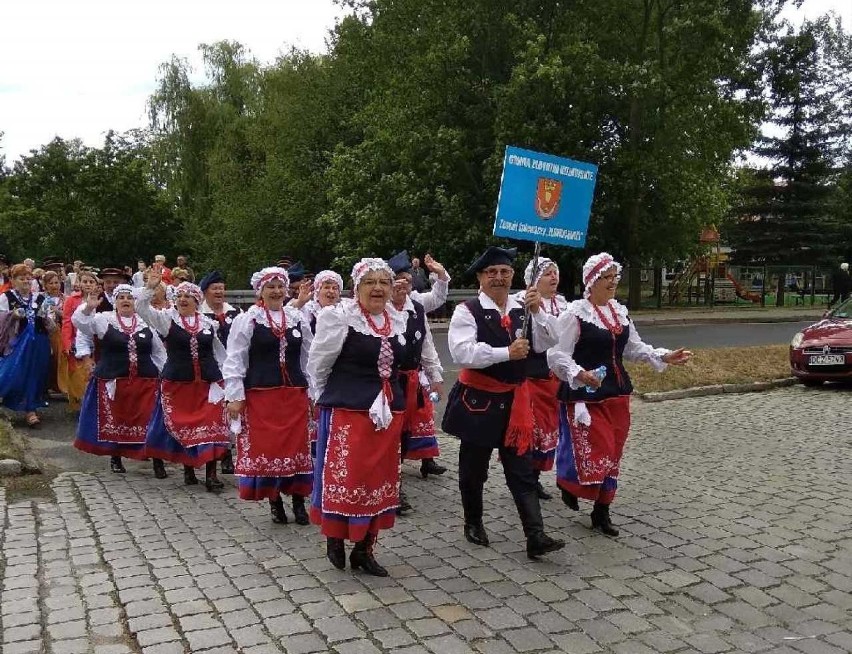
(545, 198)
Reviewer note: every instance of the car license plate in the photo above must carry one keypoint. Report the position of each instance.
(827, 360)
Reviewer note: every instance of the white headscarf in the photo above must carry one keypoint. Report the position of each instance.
(594, 267)
(326, 276)
(543, 264)
(262, 277)
(369, 264)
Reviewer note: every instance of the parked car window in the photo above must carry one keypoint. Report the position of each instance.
(843, 310)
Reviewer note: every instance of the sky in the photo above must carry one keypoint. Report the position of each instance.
(78, 68)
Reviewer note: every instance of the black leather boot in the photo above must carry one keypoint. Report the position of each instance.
(601, 521)
(542, 494)
(570, 500)
(335, 552)
(474, 530)
(476, 534)
(300, 515)
(211, 481)
(429, 467)
(276, 508)
(404, 506)
(116, 465)
(227, 464)
(160, 469)
(189, 477)
(529, 509)
(362, 557)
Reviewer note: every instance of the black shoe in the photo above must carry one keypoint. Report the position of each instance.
(542, 494)
(335, 552)
(116, 465)
(276, 507)
(404, 506)
(570, 500)
(299, 512)
(189, 477)
(227, 464)
(601, 521)
(476, 534)
(540, 544)
(213, 485)
(362, 557)
(429, 467)
(160, 470)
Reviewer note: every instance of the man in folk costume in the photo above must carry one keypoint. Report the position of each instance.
(489, 407)
(301, 286)
(594, 416)
(419, 368)
(543, 384)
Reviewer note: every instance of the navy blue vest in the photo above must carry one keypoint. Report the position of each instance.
(415, 334)
(225, 324)
(264, 370)
(354, 381)
(489, 330)
(40, 324)
(179, 357)
(599, 347)
(114, 361)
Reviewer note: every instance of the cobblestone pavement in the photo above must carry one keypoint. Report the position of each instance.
(735, 516)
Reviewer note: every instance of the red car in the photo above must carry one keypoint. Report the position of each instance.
(823, 351)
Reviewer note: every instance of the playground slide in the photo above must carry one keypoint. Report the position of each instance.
(741, 292)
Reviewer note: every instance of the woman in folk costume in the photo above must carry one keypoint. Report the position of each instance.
(327, 290)
(267, 391)
(594, 418)
(80, 363)
(543, 385)
(54, 299)
(189, 424)
(122, 392)
(353, 368)
(25, 325)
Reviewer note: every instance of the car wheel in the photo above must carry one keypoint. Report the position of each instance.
(812, 383)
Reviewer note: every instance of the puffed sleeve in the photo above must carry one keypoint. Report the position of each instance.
(560, 357)
(84, 346)
(307, 341)
(436, 298)
(637, 350)
(93, 324)
(236, 363)
(544, 330)
(332, 326)
(219, 351)
(429, 359)
(465, 349)
(157, 319)
(158, 352)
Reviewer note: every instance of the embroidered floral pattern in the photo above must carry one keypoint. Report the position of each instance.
(590, 469)
(213, 430)
(110, 430)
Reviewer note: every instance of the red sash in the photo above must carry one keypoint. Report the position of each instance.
(125, 418)
(274, 441)
(189, 417)
(519, 433)
(545, 405)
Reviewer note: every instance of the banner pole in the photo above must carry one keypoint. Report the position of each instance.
(536, 254)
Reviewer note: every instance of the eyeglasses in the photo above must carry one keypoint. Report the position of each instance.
(381, 281)
(498, 272)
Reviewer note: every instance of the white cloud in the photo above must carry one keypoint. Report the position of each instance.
(77, 68)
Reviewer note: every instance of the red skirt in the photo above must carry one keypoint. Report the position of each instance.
(357, 489)
(545, 405)
(418, 427)
(188, 415)
(125, 419)
(274, 441)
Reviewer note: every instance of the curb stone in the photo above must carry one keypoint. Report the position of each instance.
(717, 389)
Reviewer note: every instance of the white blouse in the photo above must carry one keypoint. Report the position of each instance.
(435, 298)
(333, 324)
(560, 357)
(239, 342)
(96, 325)
(470, 353)
(161, 321)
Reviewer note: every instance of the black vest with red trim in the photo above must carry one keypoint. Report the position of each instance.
(264, 369)
(114, 361)
(224, 324)
(354, 381)
(15, 303)
(600, 347)
(415, 333)
(490, 330)
(179, 356)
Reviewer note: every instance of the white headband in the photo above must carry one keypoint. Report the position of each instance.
(595, 266)
(262, 277)
(368, 265)
(326, 276)
(543, 264)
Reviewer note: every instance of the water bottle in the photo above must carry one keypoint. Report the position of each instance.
(600, 373)
(435, 397)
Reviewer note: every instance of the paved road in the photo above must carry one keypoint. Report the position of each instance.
(736, 537)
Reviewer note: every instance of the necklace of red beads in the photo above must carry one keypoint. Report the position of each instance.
(615, 327)
(383, 331)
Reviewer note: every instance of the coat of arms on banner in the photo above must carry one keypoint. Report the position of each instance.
(547, 196)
